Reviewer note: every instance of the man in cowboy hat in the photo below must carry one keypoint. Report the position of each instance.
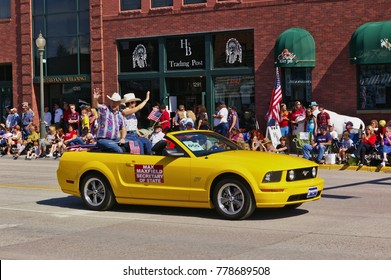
(111, 131)
(131, 123)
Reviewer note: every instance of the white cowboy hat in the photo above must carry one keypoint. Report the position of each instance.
(115, 97)
(129, 97)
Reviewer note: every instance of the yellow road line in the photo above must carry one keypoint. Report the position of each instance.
(29, 187)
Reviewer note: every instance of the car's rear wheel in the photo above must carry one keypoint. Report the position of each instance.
(96, 192)
(232, 199)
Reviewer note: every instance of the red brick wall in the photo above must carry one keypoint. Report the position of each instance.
(331, 23)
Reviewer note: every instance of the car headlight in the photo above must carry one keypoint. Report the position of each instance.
(314, 171)
(272, 176)
(291, 175)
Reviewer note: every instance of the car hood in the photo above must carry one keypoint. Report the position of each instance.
(271, 160)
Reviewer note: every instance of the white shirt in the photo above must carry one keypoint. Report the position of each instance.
(131, 122)
(57, 115)
(224, 113)
(156, 137)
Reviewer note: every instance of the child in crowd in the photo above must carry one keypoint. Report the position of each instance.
(282, 148)
(268, 146)
(157, 135)
(87, 136)
(386, 144)
(346, 144)
(33, 151)
(85, 120)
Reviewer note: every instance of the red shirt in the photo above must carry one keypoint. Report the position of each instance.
(165, 116)
(283, 122)
(370, 141)
(69, 135)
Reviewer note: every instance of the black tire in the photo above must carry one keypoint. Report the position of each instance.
(96, 192)
(292, 206)
(232, 199)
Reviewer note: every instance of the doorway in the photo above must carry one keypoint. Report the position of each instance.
(187, 91)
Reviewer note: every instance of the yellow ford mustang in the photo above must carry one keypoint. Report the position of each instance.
(193, 169)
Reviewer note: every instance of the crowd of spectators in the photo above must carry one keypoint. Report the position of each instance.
(114, 127)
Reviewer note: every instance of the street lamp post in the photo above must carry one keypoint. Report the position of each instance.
(41, 42)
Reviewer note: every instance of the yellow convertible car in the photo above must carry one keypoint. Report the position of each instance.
(199, 169)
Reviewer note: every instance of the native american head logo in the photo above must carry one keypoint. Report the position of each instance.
(233, 51)
(286, 56)
(384, 43)
(140, 56)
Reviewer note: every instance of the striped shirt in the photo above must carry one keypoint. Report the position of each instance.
(110, 123)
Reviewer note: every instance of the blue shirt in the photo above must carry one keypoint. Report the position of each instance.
(320, 138)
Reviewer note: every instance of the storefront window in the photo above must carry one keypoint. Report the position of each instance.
(138, 56)
(297, 85)
(374, 87)
(65, 26)
(186, 2)
(161, 3)
(234, 49)
(238, 91)
(5, 9)
(187, 91)
(185, 53)
(130, 5)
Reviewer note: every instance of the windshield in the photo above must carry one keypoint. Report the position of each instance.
(205, 143)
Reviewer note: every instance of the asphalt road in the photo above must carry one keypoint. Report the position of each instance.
(38, 221)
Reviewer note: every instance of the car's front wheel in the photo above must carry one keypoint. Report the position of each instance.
(232, 199)
(96, 192)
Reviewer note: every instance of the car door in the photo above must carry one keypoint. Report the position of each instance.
(157, 177)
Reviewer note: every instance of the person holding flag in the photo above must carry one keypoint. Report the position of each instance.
(273, 113)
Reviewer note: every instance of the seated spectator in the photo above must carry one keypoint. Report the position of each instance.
(318, 144)
(157, 135)
(346, 146)
(282, 148)
(14, 139)
(87, 136)
(58, 146)
(333, 132)
(46, 143)
(33, 151)
(31, 140)
(71, 137)
(255, 144)
(386, 144)
(236, 136)
(366, 145)
(267, 146)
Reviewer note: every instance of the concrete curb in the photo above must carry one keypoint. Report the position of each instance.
(341, 167)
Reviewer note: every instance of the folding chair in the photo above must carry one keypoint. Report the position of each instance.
(301, 139)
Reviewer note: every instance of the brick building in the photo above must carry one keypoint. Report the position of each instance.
(190, 52)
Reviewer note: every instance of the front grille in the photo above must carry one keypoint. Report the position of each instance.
(301, 174)
(303, 196)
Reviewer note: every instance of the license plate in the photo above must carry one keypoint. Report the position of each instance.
(312, 192)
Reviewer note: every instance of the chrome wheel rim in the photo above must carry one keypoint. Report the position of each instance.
(230, 199)
(94, 192)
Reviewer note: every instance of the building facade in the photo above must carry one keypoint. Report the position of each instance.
(193, 52)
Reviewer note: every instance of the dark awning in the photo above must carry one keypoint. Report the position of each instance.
(371, 43)
(295, 47)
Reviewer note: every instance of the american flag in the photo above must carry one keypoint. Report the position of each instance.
(134, 147)
(154, 115)
(274, 107)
